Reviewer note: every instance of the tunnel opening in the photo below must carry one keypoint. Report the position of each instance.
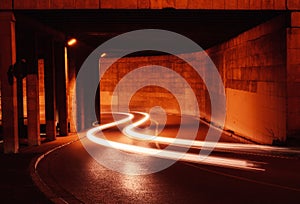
(209, 29)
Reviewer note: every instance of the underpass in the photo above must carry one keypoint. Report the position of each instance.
(225, 86)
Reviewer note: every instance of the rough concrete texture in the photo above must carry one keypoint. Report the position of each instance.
(8, 92)
(293, 75)
(33, 113)
(252, 67)
(254, 63)
(153, 4)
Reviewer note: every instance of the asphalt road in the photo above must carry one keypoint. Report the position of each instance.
(76, 177)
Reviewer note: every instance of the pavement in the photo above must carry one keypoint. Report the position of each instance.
(75, 177)
(66, 173)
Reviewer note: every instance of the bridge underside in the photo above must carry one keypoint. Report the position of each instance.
(255, 46)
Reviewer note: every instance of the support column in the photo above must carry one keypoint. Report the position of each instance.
(50, 99)
(8, 92)
(33, 116)
(20, 106)
(32, 87)
(61, 88)
(72, 95)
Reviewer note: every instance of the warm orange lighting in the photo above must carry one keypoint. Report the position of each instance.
(72, 41)
(103, 54)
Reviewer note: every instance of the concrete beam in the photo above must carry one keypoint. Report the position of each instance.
(156, 4)
(56, 4)
(293, 5)
(6, 4)
(27, 23)
(8, 92)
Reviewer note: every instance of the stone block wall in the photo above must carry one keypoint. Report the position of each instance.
(293, 76)
(255, 80)
(149, 96)
(253, 68)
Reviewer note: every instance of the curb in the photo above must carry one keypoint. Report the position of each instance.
(37, 180)
(228, 133)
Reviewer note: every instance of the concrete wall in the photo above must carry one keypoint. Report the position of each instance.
(150, 96)
(293, 76)
(253, 68)
(152, 4)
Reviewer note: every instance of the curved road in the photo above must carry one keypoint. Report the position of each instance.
(76, 177)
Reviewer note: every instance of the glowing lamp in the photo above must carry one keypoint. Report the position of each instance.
(72, 41)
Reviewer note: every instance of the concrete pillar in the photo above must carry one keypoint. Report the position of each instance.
(20, 106)
(81, 119)
(72, 95)
(8, 92)
(61, 88)
(32, 90)
(50, 99)
(33, 114)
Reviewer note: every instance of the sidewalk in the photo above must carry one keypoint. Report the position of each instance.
(16, 185)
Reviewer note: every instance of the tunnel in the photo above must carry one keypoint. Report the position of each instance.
(149, 101)
(254, 50)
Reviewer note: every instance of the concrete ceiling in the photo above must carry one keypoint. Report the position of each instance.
(207, 28)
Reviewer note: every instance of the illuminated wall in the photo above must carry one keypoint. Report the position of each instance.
(151, 96)
(254, 65)
(253, 68)
(41, 93)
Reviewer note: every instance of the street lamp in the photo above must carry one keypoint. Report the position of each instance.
(72, 41)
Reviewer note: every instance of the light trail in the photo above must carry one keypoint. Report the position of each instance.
(166, 154)
(129, 131)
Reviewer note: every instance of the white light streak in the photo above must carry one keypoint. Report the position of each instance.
(166, 154)
(112, 124)
(128, 131)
